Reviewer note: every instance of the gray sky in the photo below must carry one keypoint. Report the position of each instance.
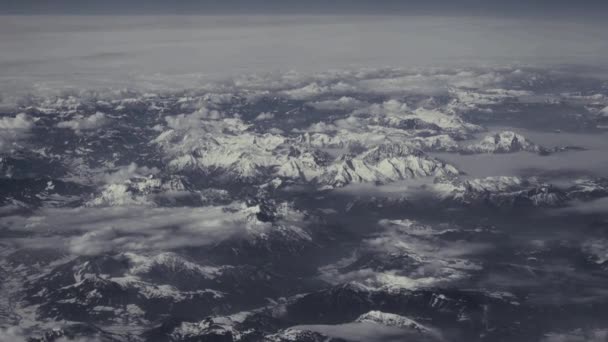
(49, 51)
(128, 40)
(542, 8)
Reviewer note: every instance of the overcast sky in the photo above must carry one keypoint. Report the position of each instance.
(595, 8)
(115, 47)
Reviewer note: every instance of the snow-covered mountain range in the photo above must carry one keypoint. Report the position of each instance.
(308, 207)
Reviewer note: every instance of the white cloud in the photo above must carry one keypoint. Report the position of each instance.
(314, 89)
(321, 127)
(598, 206)
(81, 123)
(129, 171)
(579, 335)
(514, 164)
(92, 231)
(12, 334)
(21, 121)
(264, 116)
(193, 120)
(597, 248)
(343, 103)
(14, 129)
(129, 55)
(363, 331)
(433, 261)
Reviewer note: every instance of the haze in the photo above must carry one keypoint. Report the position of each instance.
(175, 50)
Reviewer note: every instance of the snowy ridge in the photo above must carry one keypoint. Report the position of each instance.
(393, 320)
(311, 201)
(503, 191)
(250, 156)
(385, 163)
(502, 142)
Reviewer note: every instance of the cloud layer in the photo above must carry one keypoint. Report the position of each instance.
(180, 51)
(94, 231)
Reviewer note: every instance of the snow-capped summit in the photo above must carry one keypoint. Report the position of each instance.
(501, 192)
(306, 207)
(393, 320)
(502, 142)
(384, 164)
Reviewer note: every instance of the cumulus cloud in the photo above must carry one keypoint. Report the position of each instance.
(321, 127)
(193, 120)
(81, 123)
(14, 129)
(124, 173)
(264, 116)
(21, 121)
